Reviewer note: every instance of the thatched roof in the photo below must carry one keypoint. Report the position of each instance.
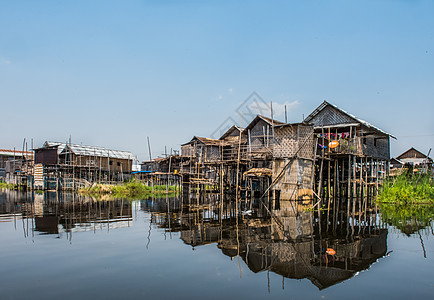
(267, 120)
(205, 141)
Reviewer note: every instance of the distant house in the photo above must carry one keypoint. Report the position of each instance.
(54, 153)
(231, 143)
(354, 135)
(260, 133)
(12, 161)
(151, 165)
(232, 134)
(10, 155)
(414, 157)
(64, 164)
(396, 163)
(203, 149)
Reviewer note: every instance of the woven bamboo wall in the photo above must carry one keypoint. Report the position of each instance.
(187, 150)
(288, 140)
(296, 180)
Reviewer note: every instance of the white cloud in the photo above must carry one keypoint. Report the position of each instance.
(279, 109)
(230, 90)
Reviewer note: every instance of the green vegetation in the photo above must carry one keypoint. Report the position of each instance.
(132, 189)
(4, 185)
(407, 218)
(403, 190)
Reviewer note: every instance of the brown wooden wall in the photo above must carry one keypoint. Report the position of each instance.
(105, 163)
(46, 156)
(376, 147)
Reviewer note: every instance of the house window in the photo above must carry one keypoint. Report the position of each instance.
(111, 163)
(119, 164)
(364, 141)
(375, 142)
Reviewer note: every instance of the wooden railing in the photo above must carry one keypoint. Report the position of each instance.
(246, 151)
(347, 146)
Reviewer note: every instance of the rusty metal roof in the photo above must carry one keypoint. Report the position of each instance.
(7, 152)
(206, 141)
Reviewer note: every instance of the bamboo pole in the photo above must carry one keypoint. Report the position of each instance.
(238, 167)
(354, 189)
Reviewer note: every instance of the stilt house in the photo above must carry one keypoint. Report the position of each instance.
(260, 135)
(353, 135)
(57, 162)
(202, 149)
(352, 155)
(414, 157)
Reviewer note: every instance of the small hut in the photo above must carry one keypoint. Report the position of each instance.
(260, 135)
(202, 149)
(414, 157)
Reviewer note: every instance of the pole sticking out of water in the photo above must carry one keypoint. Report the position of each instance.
(238, 166)
(149, 148)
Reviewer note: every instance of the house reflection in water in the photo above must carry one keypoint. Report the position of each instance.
(55, 212)
(294, 243)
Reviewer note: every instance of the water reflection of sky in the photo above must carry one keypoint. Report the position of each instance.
(161, 249)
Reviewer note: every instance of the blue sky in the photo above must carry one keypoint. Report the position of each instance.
(111, 73)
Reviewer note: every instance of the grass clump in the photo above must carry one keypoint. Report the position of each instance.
(406, 189)
(131, 189)
(407, 218)
(4, 185)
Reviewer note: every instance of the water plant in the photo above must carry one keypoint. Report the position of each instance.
(4, 185)
(130, 189)
(408, 189)
(407, 218)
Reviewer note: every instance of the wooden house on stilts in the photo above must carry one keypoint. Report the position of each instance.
(352, 157)
(332, 156)
(71, 166)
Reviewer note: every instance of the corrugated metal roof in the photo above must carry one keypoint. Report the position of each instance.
(60, 146)
(7, 152)
(325, 104)
(90, 150)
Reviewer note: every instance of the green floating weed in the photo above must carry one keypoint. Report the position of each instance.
(406, 189)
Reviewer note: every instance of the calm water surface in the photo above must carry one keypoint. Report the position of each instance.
(70, 247)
